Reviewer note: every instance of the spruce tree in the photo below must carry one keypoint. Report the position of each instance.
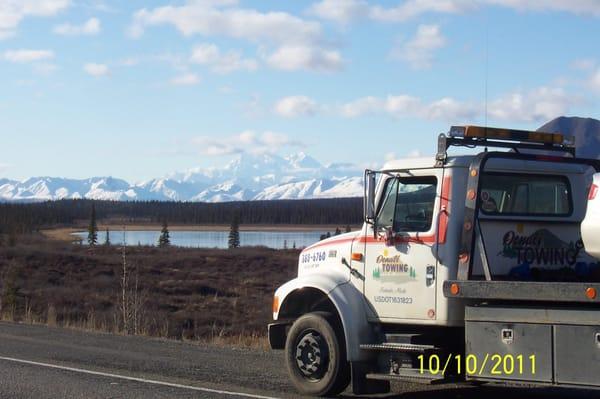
(93, 228)
(348, 229)
(107, 239)
(164, 240)
(338, 231)
(234, 232)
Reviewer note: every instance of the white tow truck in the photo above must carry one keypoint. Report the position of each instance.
(468, 268)
(590, 228)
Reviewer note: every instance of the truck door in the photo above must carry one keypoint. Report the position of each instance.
(400, 272)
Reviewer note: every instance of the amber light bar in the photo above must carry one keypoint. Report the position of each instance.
(512, 135)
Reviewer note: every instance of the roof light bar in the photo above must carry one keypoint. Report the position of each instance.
(512, 135)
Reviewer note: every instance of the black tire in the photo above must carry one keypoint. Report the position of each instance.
(316, 355)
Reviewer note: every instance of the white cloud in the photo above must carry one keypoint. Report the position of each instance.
(580, 7)
(248, 141)
(404, 106)
(129, 61)
(449, 109)
(218, 18)
(297, 57)
(96, 70)
(294, 106)
(213, 147)
(413, 8)
(90, 27)
(340, 11)
(362, 106)
(12, 12)
(584, 64)
(595, 80)
(27, 55)
(210, 55)
(186, 79)
(540, 104)
(418, 51)
(536, 105)
(344, 11)
(287, 42)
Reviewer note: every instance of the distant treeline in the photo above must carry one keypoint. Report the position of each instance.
(28, 217)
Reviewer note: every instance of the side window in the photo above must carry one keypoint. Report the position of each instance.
(527, 195)
(408, 204)
(385, 217)
(415, 203)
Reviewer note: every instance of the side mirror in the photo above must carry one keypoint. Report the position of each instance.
(369, 205)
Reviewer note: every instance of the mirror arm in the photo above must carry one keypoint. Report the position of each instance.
(369, 197)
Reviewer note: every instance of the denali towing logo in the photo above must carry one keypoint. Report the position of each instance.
(542, 247)
(392, 269)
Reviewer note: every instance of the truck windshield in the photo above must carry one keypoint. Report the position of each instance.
(407, 204)
(525, 195)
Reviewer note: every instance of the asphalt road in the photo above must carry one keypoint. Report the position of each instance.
(42, 362)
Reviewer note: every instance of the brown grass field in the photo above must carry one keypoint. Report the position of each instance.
(198, 294)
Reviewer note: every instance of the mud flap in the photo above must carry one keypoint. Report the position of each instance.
(363, 386)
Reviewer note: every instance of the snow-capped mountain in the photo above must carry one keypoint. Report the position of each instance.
(248, 177)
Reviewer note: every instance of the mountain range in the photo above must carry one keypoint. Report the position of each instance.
(249, 177)
(585, 130)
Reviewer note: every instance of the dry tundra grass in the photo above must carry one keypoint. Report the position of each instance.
(207, 295)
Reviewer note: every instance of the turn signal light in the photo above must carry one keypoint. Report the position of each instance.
(358, 257)
(591, 293)
(593, 192)
(275, 304)
(454, 289)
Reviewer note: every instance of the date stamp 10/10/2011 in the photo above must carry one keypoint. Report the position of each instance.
(476, 365)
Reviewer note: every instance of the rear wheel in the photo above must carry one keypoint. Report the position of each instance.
(316, 355)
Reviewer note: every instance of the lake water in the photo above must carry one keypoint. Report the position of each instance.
(212, 239)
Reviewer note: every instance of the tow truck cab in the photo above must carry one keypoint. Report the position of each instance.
(461, 258)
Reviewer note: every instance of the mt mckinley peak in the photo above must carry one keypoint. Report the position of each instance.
(248, 177)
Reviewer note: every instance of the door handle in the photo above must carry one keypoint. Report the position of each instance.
(430, 276)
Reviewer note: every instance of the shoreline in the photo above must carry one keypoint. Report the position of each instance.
(65, 233)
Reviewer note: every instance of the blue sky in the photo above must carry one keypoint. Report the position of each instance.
(138, 89)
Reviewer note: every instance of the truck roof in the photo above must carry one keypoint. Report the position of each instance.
(427, 162)
(464, 161)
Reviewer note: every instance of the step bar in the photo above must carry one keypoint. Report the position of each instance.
(399, 347)
(411, 375)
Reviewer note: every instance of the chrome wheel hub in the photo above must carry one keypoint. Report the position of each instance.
(312, 355)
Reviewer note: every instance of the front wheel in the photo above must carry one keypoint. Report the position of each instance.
(316, 355)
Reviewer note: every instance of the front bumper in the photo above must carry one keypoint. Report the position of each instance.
(278, 334)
